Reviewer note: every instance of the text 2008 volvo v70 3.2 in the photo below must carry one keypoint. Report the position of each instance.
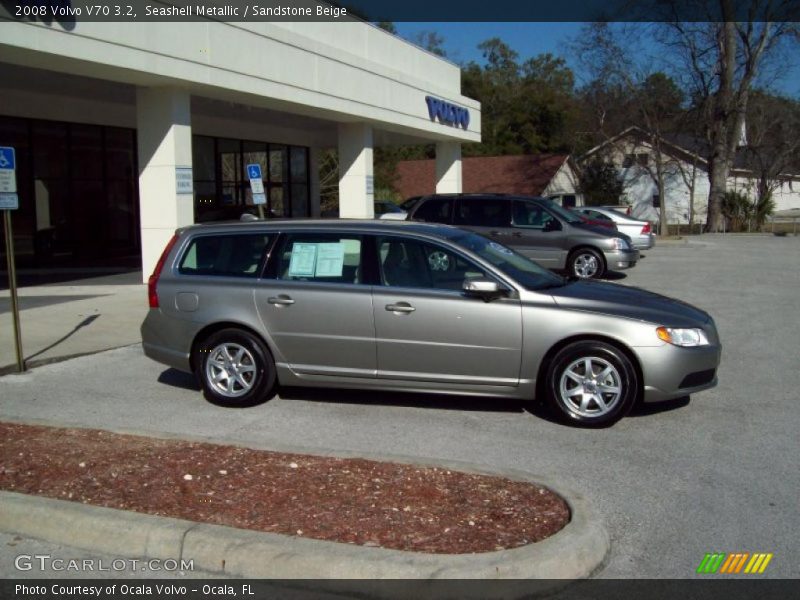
(413, 307)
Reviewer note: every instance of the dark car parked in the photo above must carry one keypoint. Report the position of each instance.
(535, 227)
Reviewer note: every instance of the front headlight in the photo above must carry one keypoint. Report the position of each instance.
(621, 244)
(682, 337)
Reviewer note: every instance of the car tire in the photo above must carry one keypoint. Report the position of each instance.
(596, 400)
(586, 263)
(234, 368)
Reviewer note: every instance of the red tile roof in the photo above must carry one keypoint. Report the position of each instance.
(527, 174)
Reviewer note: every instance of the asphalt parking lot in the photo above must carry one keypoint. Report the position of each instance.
(717, 473)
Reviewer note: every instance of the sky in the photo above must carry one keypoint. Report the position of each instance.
(529, 39)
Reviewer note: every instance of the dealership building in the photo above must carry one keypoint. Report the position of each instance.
(125, 131)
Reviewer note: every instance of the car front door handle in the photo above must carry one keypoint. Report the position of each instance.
(282, 300)
(400, 308)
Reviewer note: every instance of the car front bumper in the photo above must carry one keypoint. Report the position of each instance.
(621, 259)
(674, 372)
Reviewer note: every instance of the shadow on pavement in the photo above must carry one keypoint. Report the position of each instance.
(614, 276)
(85, 323)
(407, 399)
(645, 409)
(179, 379)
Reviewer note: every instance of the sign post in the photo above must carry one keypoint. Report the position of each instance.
(10, 201)
(257, 187)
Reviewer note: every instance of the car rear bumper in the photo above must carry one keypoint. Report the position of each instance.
(621, 259)
(644, 242)
(156, 332)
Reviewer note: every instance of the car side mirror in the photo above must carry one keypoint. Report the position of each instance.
(552, 225)
(485, 289)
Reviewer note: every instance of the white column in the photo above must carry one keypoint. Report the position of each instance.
(356, 179)
(448, 167)
(313, 181)
(164, 133)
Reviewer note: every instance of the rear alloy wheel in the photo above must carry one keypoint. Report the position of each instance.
(234, 368)
(591, 384)
(586, 263)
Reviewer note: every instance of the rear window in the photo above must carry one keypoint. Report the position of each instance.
(483, 212)
(435, 210)
(225, 255)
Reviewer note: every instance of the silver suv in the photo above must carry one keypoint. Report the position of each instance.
(408, 306)
(535, 227)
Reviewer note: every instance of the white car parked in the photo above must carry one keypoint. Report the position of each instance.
(640, 232)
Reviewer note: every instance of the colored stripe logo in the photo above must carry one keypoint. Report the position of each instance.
(734, 563)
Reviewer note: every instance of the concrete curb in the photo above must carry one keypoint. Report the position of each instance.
(575, 552)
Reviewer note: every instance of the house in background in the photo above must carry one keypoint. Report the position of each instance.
(550, 175)
(685, 170)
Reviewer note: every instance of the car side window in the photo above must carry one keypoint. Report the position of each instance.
(233, 255)
(435, 210)
(414, 264)
(483, 212)
(597, 215)
(324, 258)
(531, 215)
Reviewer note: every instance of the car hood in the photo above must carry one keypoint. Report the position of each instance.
(605, 231)
(631, 302)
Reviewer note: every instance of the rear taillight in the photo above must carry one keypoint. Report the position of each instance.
(152, 282)
(646, 228)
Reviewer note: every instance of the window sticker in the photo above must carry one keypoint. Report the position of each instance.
(330, 260)
(303, 260)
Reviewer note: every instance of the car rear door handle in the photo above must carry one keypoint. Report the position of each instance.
(400, 307)
(282, 300)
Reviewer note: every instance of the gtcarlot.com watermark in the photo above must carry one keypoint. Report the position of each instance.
(45, 562)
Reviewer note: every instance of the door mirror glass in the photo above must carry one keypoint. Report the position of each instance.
(551, 224)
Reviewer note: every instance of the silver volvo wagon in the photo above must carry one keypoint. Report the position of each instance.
(413, 307)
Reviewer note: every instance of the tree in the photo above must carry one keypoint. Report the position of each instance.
(721, 59)
(773, 141)
(636, 95)
(430, 41)
(387, 26)
(525, 108)
(600, 183)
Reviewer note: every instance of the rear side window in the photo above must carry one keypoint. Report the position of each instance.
(324, 258)
(225, 255)
(483, 212)
(435, 210)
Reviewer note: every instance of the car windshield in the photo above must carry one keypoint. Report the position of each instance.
(522, 270)
(565, 214)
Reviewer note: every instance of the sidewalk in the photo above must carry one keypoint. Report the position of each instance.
(71, 318)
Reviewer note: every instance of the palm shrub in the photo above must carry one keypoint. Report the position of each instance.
(737, 210)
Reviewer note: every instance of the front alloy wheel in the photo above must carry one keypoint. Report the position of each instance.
(586, 264)
(591, 383)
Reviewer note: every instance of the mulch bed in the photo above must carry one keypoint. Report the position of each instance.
(356, 501)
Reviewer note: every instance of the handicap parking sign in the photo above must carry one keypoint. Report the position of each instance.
(254, 171)
(7, 158)
(8, 178)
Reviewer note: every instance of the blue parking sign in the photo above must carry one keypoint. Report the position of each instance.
(7, 158)
(254, 171)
